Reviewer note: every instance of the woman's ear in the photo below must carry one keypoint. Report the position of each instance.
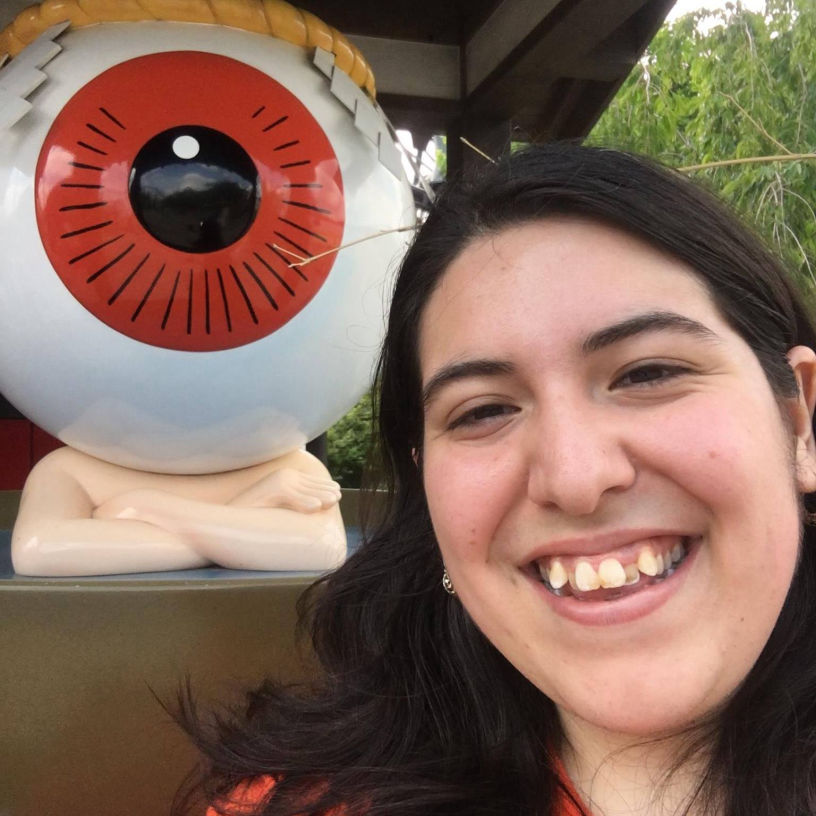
(803, 362)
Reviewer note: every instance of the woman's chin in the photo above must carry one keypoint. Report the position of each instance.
(640, 712)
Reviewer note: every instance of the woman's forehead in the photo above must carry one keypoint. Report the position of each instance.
(560, 275)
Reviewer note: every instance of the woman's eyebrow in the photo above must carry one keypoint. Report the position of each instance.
(647, 322)
(459, 371)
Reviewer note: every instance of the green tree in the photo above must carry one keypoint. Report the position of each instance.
(349, 444)
(732, 85)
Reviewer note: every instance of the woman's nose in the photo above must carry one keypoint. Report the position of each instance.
(577, 456)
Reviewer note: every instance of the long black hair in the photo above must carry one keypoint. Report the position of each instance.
(416, 712)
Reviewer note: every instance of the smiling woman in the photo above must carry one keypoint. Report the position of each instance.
(619, 430)
(592, 591)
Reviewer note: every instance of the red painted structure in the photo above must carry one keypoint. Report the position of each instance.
(23, 444)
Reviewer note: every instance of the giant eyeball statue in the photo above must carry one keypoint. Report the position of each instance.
(200, 207)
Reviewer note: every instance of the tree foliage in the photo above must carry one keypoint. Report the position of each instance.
(733, 84)
(349, 444)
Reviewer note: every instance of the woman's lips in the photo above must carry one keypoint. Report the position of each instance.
(598, 604)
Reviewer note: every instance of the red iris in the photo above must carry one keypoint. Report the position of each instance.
(174, 191)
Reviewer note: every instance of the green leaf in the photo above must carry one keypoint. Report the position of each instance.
(744, 87)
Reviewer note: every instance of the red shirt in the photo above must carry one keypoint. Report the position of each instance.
(247, 795)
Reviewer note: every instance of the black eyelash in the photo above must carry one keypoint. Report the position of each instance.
(665, 372)
(473, 416)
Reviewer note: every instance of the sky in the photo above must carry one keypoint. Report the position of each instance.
(682, 7)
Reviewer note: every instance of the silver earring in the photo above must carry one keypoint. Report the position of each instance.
(447, 584)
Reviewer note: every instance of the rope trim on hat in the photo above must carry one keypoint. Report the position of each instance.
(275, 18)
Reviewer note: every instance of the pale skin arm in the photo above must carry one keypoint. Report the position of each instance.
(55, 535)
(288, 520)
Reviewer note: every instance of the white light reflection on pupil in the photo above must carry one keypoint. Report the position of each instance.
(185, 147)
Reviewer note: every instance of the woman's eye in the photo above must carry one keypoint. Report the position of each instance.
(483, 415)
(650, 374)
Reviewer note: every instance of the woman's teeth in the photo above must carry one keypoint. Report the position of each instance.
(651, 563)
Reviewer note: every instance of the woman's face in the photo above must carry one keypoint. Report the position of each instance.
(610, 478)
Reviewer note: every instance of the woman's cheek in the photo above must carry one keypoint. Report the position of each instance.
(470, 491)
(737, 465)
(718, 447)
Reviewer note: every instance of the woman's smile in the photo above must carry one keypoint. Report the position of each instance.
(596, 597)
(608, 472)
(618, 566)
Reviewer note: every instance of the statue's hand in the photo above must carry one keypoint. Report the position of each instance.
(292, 489)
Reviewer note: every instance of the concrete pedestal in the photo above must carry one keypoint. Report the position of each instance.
(80, 660)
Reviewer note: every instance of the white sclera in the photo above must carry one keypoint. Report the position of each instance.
(192, 412)
(186, 147)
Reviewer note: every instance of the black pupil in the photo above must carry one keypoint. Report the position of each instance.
(194, 189)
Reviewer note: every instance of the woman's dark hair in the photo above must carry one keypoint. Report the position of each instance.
(416, 712)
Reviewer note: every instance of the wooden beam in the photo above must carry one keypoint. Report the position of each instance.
(503, 32)
(412, 68)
